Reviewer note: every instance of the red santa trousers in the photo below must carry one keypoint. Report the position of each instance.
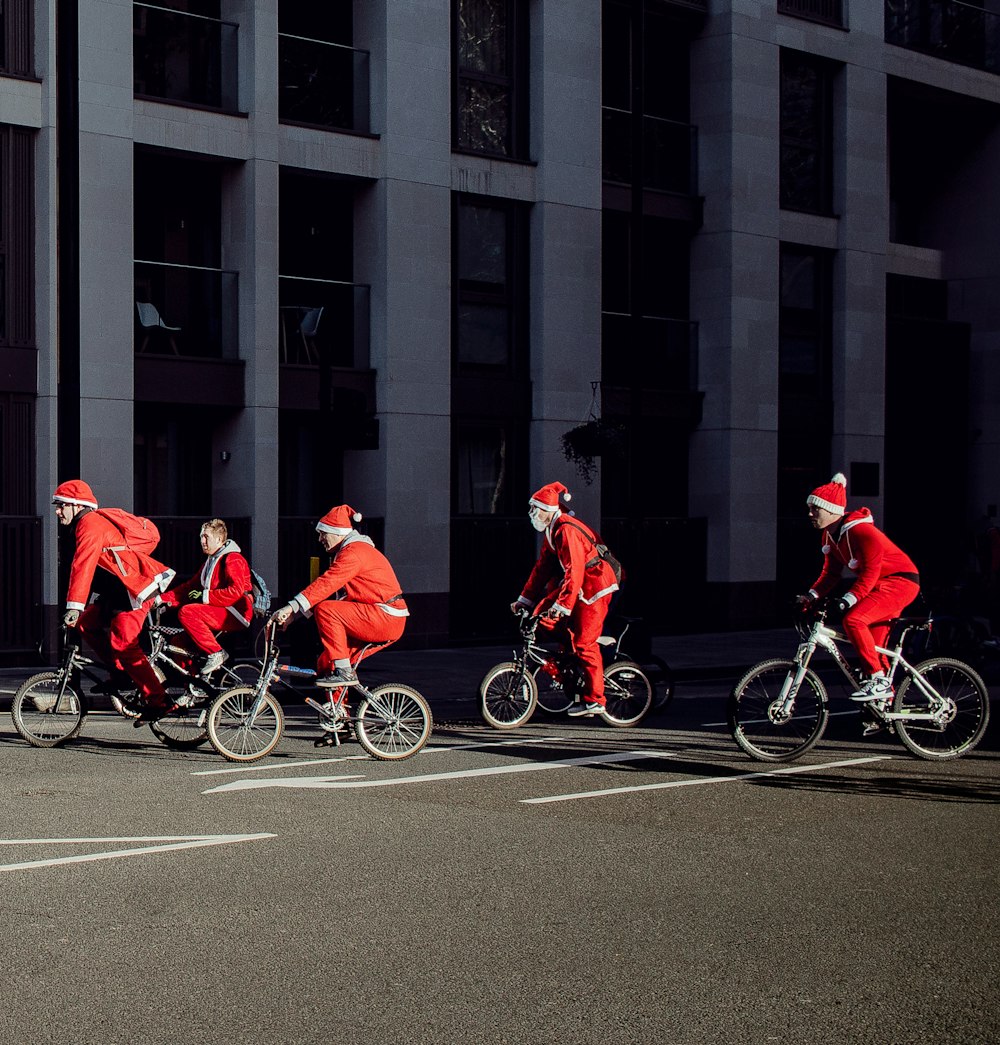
(867, 622)
(117, 644)
(585, 625)
(202, 622)
(344, 627)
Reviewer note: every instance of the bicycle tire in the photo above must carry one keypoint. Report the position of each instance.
(555, 696)
(662, 678)
(752, 710)
(628, 694)
(968, 710)
(231, 735)
(508, 696)
(393, 722)
(37, 716)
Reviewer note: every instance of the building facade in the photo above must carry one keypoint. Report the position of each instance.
(258, 258)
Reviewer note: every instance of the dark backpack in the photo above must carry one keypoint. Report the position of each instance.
(603, 554)
(261, 594)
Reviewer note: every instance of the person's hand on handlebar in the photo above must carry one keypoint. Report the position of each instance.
(283, 616)
(70, 617)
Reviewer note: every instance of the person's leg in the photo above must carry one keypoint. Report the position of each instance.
(124, 634)
(202, 622)
(867, 622)
(585, 625)
(94, 628)
(344, 626)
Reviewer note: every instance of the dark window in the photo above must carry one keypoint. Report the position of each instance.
(17, 454)
(490, 59)
(806, 174)
(483, 467)
(490, 265)
(804, 354)
(173, 461)
(827, 12)
(17, 208)
(16, 37)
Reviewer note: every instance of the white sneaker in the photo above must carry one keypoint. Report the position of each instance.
(214, 661)
(876, 688)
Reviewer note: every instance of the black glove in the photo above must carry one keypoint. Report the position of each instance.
(842, 606)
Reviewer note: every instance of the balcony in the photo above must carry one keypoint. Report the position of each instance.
(322, 84)
(669, 152)
(324, 349)
(650, 352)
(825, 12)
(184, 58)
(957, 32)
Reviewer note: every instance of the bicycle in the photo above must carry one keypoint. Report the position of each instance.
(539, 676)
(391, 721)
(49, 708)
(778, 709)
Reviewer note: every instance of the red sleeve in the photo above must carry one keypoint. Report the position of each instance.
(830, 574)
(868, 545)
(89, 542)
(344, 568)
(573, 550)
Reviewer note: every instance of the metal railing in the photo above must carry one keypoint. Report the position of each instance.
(649, 352)
(669, 152)
(947, 29)
(197, 306)
(828, 12)
(323, 84)
(184, 57)
(324, 321)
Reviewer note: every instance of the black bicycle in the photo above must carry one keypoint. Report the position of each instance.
(543, 676)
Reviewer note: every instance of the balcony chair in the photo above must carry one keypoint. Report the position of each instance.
(309, 328)
(150, 320)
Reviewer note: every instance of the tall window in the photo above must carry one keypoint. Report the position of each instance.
(17, 309)
(483, 456)
(806, 173)
(490, 265)
(491, 68)
(16, 37)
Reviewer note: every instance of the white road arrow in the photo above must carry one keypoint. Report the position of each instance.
(152, 845)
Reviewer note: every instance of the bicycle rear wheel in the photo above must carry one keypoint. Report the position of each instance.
(184, 729)
(393, 722)
(962, 721)
(555, 696)
(45, 712)
(662, 678)
(756, 718)
(627, 692)
(231, 732)
(507, 696)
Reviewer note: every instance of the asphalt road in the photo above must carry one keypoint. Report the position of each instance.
(564, 883)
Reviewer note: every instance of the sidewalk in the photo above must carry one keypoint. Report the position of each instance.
(449, 678)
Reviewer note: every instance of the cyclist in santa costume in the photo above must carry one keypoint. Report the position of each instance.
(571, 584)
(218, 598)
(356, 601)
(119, 583)
(885, 583)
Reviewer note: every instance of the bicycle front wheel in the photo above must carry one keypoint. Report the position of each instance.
(628, 694)
(958, 725)
(759, 720)
(46, 712)
(234, 735)
(555, 696)
(507, 696)
(393, 722)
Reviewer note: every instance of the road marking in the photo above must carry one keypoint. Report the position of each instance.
(788, 770)
(165, 844)
(521, 767)
(347, 758)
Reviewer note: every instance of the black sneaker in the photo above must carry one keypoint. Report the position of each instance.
(153, 712)
(337, 679)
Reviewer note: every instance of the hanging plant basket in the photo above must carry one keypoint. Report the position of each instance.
(592, 439)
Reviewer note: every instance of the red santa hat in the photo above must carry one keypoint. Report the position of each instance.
(832, 496)
(551, 498)
(75, 491)
(339, 520)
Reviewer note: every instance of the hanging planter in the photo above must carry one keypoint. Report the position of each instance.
(594, 438)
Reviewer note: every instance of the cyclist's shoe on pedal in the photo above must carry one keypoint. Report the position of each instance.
(153, 711)
(214, 661)
(875, 688)
(585, 708)
(337, 679)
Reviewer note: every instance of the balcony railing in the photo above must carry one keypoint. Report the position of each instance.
(196, 310)
(324, 321)
(827, 12)
(649, 352)
(322, 84)
(184, 57)
(668, 157)
(947, 29)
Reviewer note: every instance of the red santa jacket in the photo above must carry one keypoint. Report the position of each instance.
(364, 575)
(855, 542)
(568, 566)
(223, 580)
(99, 543)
